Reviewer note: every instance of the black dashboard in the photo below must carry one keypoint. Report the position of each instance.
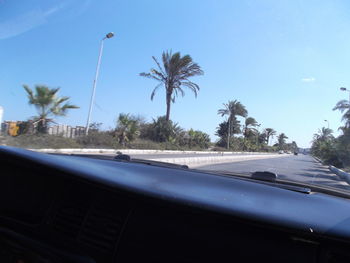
(75, 209)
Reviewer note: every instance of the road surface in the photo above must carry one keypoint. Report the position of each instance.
(301, 168)
(148, 156)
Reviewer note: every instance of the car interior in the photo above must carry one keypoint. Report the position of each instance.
(76, 209)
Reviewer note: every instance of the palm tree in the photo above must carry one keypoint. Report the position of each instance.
(269, 133)
(232, 109)
(47, 104)
(343, 129)
(127, 128)
(344, 105)
(323, 134)
(249, 127)
(281, 140)
(165, 131)
(173, 75)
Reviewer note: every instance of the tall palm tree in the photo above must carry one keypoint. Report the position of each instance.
(269, 133)
(47, 104)
(173, 75)
(249, 126)
(344, 106)
(232, 109)
(281, 140)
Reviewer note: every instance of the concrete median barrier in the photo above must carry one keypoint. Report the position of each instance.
(191, 161)
(194, 162)
(343, 175)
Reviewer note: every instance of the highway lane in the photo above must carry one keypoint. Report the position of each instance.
(178, 155)
(162, 155)
(301, 168)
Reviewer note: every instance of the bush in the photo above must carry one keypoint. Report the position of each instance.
(41, 141)
(98, 140)
(327, 151)
(161, 130)
(219, 149)
(145, 144)
(149, 144)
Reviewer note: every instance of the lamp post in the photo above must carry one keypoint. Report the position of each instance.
(345, 89)
(109, 35)
(257, 134)
(228, 132)
(327, 123)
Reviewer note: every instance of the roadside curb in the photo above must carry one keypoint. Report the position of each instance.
(343, 175)
(194, 162)
(317, 159)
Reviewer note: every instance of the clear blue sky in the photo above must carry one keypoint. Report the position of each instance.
(284, 60)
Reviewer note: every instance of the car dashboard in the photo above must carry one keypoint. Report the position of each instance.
(71, 209)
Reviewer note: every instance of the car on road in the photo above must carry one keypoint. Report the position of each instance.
(295, 153)
(281, 152)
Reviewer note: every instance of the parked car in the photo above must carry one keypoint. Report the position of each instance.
(281, 152)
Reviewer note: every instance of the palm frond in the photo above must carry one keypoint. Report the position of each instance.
(155, 89)
(342, 105)
(30, 94)
(160, 68)
(150, 76)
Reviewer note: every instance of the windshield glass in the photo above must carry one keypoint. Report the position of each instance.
(238, 86)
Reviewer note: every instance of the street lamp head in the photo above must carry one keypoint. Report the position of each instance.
(110, 35)
(343, 88)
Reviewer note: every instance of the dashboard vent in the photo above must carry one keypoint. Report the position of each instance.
(337, 256)
(104, 223)
(71, 211)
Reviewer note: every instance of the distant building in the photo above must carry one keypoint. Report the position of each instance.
(66, 131)
(14, 128)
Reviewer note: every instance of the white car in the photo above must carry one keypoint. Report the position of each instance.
(281, 152)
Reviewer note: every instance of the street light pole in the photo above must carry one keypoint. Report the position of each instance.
(345, 89)
(228, 133)
(257, 135)
(109, 35)
(327, 123)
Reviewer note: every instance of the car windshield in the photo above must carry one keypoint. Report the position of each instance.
(236, 86)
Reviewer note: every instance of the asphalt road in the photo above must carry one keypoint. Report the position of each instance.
(176, 155)
(297, 168)
(169, 155)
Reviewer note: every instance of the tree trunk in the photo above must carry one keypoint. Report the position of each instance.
(42, 126)
(228, 133)
(168, 104)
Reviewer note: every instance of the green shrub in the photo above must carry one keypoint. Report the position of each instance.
(41, 141)
(98, 140)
